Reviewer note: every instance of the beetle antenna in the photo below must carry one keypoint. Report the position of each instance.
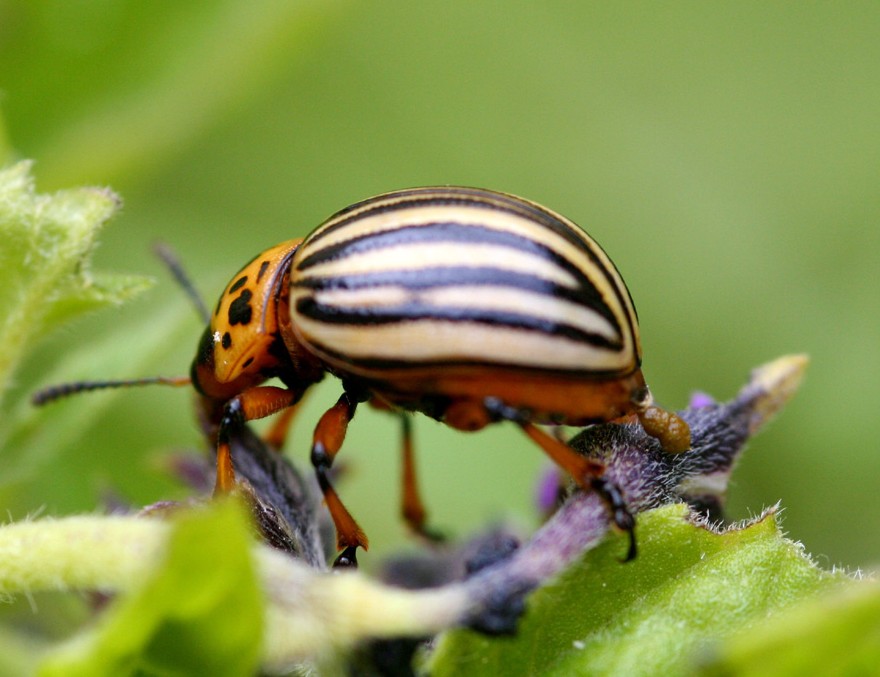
(167, 255)
(62, 390)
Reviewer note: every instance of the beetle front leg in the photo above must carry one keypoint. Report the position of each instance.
(252, 404)
(328, 438)
(587, 472)
(277, 435)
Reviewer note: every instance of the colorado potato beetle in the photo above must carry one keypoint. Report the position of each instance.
(467, 305)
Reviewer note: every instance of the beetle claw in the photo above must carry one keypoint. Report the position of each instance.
(632, 551)
(621, 517)
(347, 559)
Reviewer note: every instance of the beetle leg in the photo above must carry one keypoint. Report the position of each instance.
(276, 436)
(412, 508)
(587, 472)
(328, 438)
(252, 404)
(621, 516)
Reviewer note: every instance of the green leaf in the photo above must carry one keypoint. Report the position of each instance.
(199, 614)
(45, 245)
(836, 633)
(688, 588)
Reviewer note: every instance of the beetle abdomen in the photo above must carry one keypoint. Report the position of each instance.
(452, 276)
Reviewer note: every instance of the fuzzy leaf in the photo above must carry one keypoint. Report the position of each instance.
(204, 586)
(837, 633)
(45, 245)
(687, 588)
(199, 613)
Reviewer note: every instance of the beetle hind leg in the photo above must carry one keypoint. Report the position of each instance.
(587, 472)
(412, 508)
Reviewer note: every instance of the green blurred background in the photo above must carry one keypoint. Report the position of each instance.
(727, 156)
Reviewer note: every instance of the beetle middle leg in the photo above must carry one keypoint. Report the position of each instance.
(587, 472)
(328, 438)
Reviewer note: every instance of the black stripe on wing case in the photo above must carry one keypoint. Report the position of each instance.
(463, 276)
(451, 196)
(416, 311)
(445, 233)
(383, 364)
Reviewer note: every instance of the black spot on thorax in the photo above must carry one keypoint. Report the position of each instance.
(239, 283)
(263, 267)
(240, 310)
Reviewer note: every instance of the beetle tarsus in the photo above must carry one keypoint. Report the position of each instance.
(348, 532)
(347, 559)
(620, 514)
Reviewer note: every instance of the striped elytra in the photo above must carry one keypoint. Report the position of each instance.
(450, 277)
